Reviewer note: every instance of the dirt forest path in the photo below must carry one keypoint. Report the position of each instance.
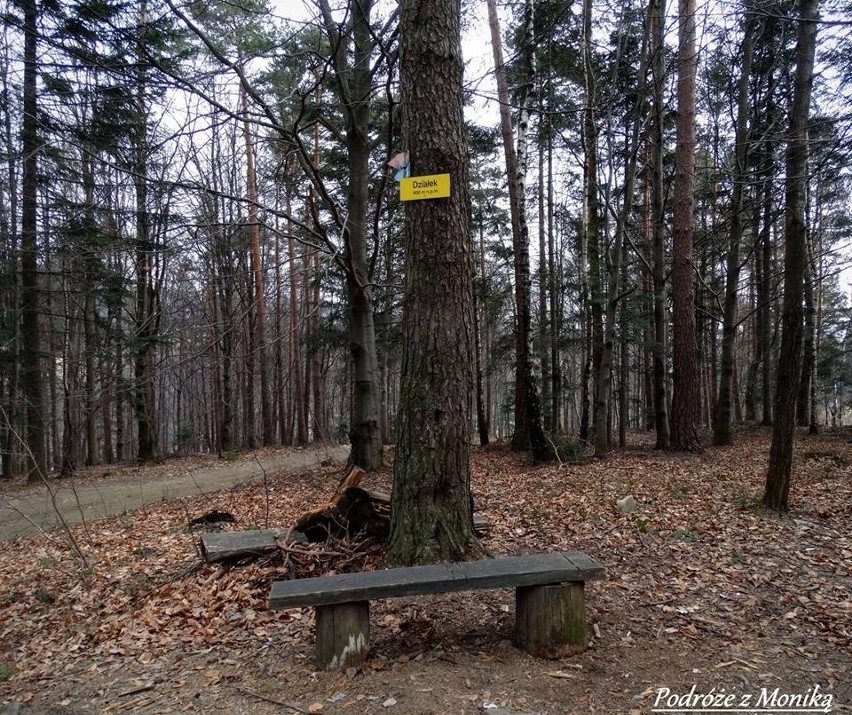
(27, 511)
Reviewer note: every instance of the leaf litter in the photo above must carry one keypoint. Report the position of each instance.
(703, 588)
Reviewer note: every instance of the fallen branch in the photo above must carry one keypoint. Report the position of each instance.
(137, 690)
(295, 707)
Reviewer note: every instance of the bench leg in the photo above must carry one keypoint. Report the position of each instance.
(550, 621)
(343, 634)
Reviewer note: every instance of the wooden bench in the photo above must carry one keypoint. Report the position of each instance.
(550, 620)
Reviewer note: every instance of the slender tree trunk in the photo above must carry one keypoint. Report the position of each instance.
(355, 84)
(819, 279)
(315, 380)
(108, 386)
(89, 317)
(9, 447)
(31, 375)
(658, 215)
(555, 306)
(803, 402)
(431, 517)
(776, 494)
(528, 433)
(284, 437)
(354, 75)
(301, 426)
(481, 417)
(145, 295)
(483, 376)
(647, 378)
(320, 427)
(603, 377)
(724, 403)
(246, 368)
(623, 361)
(764, 294)
(660, 344)
(385, 320)
(543, 322)
(591, 228)
(227, 333)
(685, 398)
(267, 427)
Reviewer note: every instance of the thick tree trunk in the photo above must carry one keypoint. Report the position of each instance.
(431, 516)
(776, 494)
(685, 369)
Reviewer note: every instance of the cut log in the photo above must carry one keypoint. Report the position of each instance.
(220, 547)
(343, 635)
(550, 620)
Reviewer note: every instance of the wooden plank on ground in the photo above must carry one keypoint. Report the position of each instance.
(231, 545)
(533, 570)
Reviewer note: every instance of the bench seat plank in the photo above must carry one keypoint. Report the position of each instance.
(532, 570)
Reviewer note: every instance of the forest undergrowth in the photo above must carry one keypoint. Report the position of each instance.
(703, 588)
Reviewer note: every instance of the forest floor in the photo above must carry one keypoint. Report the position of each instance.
(704, 591)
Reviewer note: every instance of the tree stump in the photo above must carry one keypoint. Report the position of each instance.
(550, 621)
(343, 634)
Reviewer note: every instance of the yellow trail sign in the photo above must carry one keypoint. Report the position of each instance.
(435, 186)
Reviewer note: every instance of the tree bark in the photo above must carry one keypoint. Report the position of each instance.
(267, 427)
(660, 377)
(89, 324)
(297, 392)
(603, 377)
(724, 403)
(764, 293)
(528, 433)
(590, 239)
(431, 516)
(146, 299)
(685, 400)
(355, 85)
(803, 402)
(777, 490)
(481, 416)
(31, 375)
(555, 307)
(543, 279)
